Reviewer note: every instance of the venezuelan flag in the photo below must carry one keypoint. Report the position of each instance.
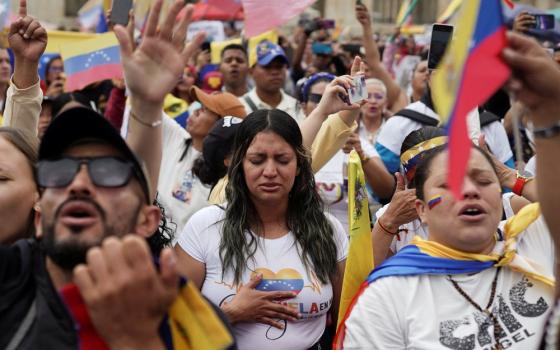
(91, 60)
(470, 71)
(360, 252)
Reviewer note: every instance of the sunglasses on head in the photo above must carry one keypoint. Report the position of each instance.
(103, 171)
(315, 98)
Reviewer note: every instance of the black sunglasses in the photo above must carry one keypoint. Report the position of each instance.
(315, 98)
(103, 171)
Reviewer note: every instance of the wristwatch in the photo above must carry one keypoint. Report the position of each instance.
(547, 132)
(522, 178)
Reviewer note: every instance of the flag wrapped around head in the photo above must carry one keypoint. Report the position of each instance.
(91, 60)
(469, 73)
(359, 261)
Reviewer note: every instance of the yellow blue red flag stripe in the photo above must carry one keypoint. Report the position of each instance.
(91, 60)
(469, 73)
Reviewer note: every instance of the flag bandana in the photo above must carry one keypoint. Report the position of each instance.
(411, 158)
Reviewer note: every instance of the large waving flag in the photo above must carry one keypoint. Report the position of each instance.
(359, 262)
(470, 71)
(264, 15)
(91, 60)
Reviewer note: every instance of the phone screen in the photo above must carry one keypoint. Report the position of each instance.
(544, 22)
(120, 11)
(441, 35)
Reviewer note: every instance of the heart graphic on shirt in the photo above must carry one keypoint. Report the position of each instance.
(286, 280)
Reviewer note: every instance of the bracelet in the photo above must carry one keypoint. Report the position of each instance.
(387, 231)
(150, 125)
(548, 132)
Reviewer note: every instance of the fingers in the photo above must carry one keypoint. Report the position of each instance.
(271, 322)
(355, 66)
(84, 281)
(166, 32)
(22, 12)
(168, 269)
(97, 265)
(131, 25)
(283, 312)
(400, 182)
(279, 295)
(151, 26)
(193, 46)
(32, 27)
(112, 252)
(344, 80)
(254, 281)
(137, 255)
(180, 33)
(125, 42)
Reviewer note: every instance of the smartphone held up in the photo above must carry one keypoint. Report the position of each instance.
(120, 11)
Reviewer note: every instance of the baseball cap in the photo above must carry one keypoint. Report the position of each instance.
(81, 123)
(221, 103)
(319, 48)
(219, 141)
(268, 51)
(212, 81)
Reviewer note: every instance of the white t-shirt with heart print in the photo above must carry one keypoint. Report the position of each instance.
(282, 268)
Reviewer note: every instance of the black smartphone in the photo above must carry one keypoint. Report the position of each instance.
(441, 36)
(353, 49)
(120, 11)
(543, 22)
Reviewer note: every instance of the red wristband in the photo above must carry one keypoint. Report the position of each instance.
(519, 184)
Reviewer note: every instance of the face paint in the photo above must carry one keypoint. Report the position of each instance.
(434, 201)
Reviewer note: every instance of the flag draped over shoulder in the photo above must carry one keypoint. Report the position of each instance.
(359, 262)
(91, 60)
(468, 74)
(264, 15)
(424, 257)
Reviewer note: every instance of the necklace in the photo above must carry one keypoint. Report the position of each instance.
(486, 310)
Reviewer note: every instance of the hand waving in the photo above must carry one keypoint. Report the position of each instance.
(152, 70)
(27, 38)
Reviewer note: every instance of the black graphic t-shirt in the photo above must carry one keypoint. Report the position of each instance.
(427, 312)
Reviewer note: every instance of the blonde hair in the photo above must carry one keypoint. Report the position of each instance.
(374, 81)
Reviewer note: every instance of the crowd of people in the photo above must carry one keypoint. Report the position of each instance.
(188, 206)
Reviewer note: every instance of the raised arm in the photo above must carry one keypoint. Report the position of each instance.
(28, 40)
(395, 96)
(535, 82)
(151, 72)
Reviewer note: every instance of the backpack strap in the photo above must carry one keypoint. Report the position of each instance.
(251, 104)
(487, 117)
(417, 117)
(24, 327)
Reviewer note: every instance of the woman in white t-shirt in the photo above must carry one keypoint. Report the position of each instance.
(465, 287)
(271, 259)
